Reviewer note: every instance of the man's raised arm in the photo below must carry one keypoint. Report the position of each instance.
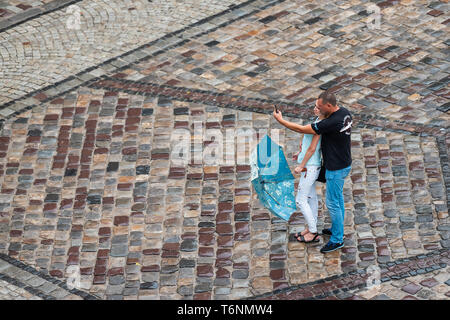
(291, 125)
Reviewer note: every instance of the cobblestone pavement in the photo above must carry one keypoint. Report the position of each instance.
(48, 49)
(14, 7)
(422, 277)
(95, 187)
(427, 287)
(15, 12)
(12, 292)
(21, 282)
(292, 52)
(89, 178)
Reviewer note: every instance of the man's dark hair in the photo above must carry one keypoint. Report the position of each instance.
(328, 97)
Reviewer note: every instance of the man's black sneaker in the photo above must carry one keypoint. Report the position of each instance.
(330, 246)
(327, 232)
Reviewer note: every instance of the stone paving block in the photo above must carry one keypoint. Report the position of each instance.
(36, 282)
(47, 288)
(60, 294)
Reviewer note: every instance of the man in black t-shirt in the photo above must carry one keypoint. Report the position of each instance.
(336, 153)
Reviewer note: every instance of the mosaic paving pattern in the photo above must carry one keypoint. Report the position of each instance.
(21, 282)
(88, 177)
(11, 7)
(293, 51)
(435, 286)
(96, 187)
(422, 277)
(12, 292)
(34, 46)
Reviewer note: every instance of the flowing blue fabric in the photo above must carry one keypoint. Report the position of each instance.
(272, 179)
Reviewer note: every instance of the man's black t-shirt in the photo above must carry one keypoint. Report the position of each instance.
(336, 144)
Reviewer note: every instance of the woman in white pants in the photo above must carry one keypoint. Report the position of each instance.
(309, 158)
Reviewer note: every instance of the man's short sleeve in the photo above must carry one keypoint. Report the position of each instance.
(314, 127)
(325, 126)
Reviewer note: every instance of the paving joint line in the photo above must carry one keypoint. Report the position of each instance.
(147, 56)
(181, 94)
(20, 284)
(46, 277)
(445, 166)
(404, 275)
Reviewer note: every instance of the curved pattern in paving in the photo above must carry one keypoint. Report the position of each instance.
(46, 50)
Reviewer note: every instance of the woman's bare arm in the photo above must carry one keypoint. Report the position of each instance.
(311, 150)
(295, 156)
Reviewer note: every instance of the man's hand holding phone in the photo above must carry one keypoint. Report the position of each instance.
(277, 113)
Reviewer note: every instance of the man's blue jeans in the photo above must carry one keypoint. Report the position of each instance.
(335, 202)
